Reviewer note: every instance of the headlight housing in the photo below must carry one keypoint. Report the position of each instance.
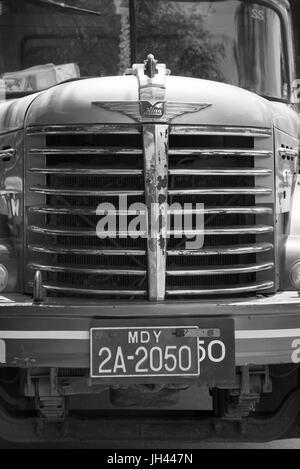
(3, 278)
(295, 275)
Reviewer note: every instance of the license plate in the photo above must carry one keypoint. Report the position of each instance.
(145, 352)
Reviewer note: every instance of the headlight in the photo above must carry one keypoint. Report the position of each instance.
(295, 275)
(3, 278)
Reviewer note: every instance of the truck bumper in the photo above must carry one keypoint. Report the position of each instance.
(267, 329)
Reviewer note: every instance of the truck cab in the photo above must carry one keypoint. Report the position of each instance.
(149, 230)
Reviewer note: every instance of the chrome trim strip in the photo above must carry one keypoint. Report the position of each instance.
(47, 249)
(85, 151)
(208, 210)
(223, 191)
(220, 152)
(84, 192)
(75, 232)
(255, 287)
(83, 129)
(82, 211)
(87, 171)
(139, 172)
(220, 172)
(223, 250)
(67, 289)
(234, 269)
(220, 130)
(125, 128)
(155, 139)
(83, 270)
(259, 229)
(223, 210)
(61, 231)
(218, 230)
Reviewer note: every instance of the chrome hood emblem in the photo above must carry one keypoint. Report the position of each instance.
(152, 105)
(151, 111)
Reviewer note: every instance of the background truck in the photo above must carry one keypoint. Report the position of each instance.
(149, 220)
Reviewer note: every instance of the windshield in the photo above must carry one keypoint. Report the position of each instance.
(45, 42)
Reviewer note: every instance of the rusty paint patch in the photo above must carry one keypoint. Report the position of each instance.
(162, 199)
(162, 182)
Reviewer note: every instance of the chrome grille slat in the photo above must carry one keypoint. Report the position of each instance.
(220, 172)
(88, 171)
(223, 250)
(88, 271)
(86, 151)
(86, 129)
(235, 269)
(220, 152)
(91, 252)
(138, 172)
(222, 191)
(82, 211)
(218, 230)
(223, 210)
(84, 192)
(254, 287)
(257, 132)
(86, 291)
(206, 210)
(179, 233)
(77, 232)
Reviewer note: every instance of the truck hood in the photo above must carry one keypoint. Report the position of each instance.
(74, 103)
(13, 112)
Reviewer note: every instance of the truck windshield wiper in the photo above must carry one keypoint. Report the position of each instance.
(65, 6)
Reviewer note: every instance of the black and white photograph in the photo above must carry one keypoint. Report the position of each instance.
(149, 227)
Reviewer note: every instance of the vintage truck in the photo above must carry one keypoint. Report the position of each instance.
(150, 228)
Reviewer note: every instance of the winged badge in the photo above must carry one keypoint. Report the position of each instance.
(145, 111)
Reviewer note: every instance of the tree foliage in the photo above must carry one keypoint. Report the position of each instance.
(175, 33)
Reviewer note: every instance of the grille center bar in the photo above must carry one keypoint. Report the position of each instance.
(155, 139)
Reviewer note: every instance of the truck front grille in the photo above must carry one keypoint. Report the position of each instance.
(69, 174)
(70, 171)
(232, 176)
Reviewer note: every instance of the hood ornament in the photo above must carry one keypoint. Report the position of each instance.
(150, 66)
(152, 105)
